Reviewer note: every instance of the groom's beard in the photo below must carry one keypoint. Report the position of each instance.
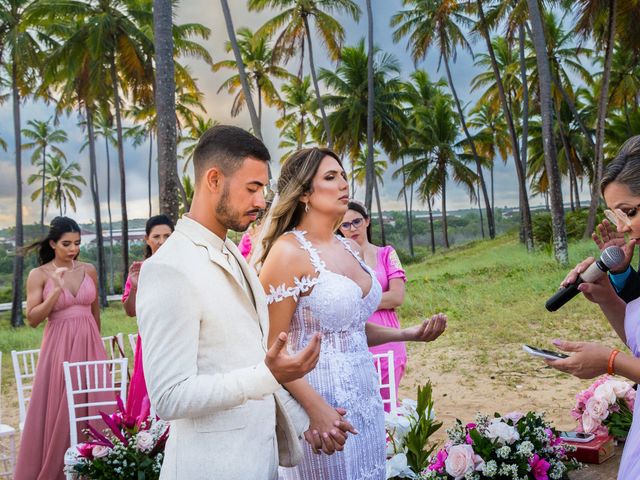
(228, 216)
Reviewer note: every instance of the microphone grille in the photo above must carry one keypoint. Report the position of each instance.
(612, 257)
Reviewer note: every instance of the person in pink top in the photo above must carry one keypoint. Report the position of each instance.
(157, 230)
(62, 291)
(386, 264)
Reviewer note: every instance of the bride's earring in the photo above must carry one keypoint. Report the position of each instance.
(306, 207)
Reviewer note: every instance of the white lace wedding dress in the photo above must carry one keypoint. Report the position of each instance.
(345, 375)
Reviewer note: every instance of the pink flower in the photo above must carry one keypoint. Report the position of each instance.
(100, 451)
(630, 398)
(438, 463)
(515, 417)
(86, 450)
(462, 460)
(597, 408)
(470, 426)
(539, 467)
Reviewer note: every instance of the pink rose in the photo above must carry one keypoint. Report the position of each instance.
(100, 451)
(539, 467)
(605, 392)
(462, 460)
(515, 417)
(630, 398)
(597, 408)
(144, 441)
(590, 424)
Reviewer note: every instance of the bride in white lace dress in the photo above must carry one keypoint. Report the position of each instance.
(317, 283)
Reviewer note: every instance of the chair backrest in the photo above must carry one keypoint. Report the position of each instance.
(133, 340)
(24, 369)
(114, 345)
(92, 387)
(385, 362)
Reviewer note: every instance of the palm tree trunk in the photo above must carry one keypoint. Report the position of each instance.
(95, 195)
(316, 85)
(431, 229)
(111, 273)
(382, 236)
(406, 209)
(560, 246)
(523, 199)
(169, 186)
(602, 117)
(445, 227)
(480, 212)
(44, 175)
(259, 104)
(525, 100)
(255, 123)
(490, 219)
(122, 169)
(59, 195)
(17, 319)
(573, 178)
(370, 174)
(149, 169)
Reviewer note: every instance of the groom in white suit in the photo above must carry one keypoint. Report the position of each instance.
(203, 322)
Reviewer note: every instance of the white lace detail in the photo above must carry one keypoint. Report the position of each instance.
(300, 286)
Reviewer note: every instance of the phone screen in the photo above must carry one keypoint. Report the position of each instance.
(549, 353)
(580, 435)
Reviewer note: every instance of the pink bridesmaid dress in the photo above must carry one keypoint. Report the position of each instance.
(71, 334)
(138, 387)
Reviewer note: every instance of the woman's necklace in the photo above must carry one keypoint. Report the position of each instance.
(73, 264)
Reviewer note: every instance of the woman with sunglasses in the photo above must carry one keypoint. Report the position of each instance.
(384, 261)
(620, 187)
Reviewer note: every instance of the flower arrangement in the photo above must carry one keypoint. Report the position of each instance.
(605, 407)
(513, 446)
(408, 432)
(131, 448)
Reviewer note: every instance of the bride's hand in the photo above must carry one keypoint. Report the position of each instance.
(428, 330)
(58, 277)
(327, 429)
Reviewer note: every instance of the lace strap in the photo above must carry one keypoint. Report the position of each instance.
(282, 292)
(316, 261)
(347, 246)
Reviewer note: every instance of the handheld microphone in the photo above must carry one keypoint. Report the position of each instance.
(611, 257)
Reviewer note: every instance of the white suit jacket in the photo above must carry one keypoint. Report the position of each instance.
(204, 343)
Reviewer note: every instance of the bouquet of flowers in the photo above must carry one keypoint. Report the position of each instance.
(516, 445)
(131, 448)
(605, 407)
(408, 432)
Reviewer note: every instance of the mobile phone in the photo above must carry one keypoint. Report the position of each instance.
(541, 352)
(578, 437)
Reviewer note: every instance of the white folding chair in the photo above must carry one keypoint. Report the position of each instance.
(7, 443)
(93, 377)
(24, 369)
(391, 383)
(133, 341)
(114, 345)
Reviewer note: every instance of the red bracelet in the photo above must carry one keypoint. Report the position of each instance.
(612, 359)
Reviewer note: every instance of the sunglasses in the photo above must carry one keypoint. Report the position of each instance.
(621, 218)
(355, 224)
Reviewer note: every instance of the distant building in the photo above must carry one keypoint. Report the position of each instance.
(136, 235)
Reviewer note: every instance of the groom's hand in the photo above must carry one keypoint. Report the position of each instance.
(286, 368)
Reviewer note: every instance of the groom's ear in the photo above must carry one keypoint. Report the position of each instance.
(214, 179)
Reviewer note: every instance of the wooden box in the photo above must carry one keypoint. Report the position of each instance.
(596, 451)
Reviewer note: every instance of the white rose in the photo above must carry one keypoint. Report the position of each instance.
(605, 392)
(72, 457)
(620, 388)
(505, 434)
(100, 451)
(397, 467)
(397, 425)
(461, 460)
(598, 407)
(589, 424)
(144, 441)
(515, 417)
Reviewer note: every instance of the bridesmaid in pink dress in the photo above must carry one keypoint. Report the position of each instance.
(386, 264)
(62, 290)
(157, 230)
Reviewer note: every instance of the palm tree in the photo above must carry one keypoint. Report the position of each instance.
(42, 135)
(370, 170)
(429, 22)
(293, 19)
(359, 174)
(290, 143)
(19, 57)
(348, 98)
(299, 109)
(62, 182)
(256, 54)
(228, 20)
(194, 132)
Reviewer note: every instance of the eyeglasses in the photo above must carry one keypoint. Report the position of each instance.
(355, 224)
(619, 217)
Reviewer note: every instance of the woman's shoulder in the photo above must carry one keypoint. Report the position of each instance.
(287, 247)
(39, 273)
(89, 268)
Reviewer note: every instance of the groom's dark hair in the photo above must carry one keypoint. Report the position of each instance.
(226, 147)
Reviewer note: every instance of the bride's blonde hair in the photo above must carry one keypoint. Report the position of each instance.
(296, 177)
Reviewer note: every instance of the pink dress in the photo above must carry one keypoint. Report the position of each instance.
(138, 387)
(388, 267)
(245, 245)
(71, 334)
(630, 462)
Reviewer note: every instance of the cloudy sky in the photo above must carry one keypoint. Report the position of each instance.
(218, 107)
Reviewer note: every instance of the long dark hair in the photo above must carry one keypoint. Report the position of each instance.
(59, 226)
(358, 207)
(625, 167)
(154, 221)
